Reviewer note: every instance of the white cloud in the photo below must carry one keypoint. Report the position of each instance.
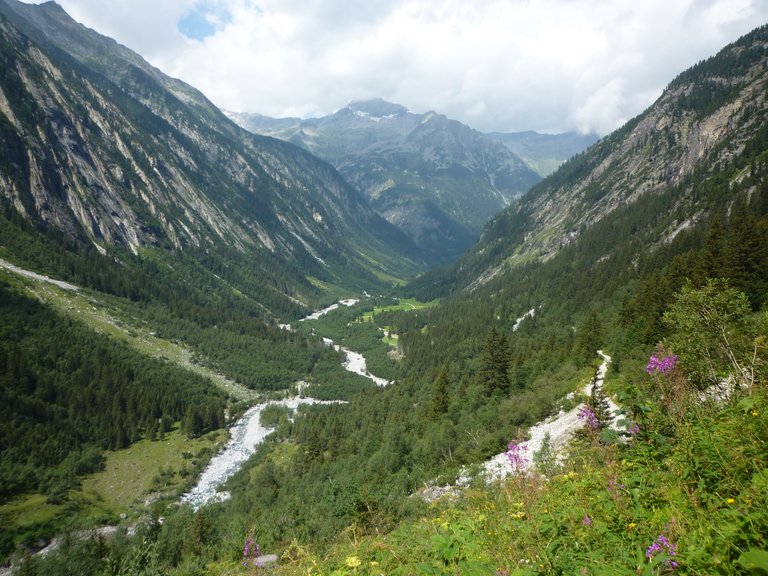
(549, 65)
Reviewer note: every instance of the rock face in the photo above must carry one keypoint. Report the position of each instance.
(710, 117)
(100, 145)
(436, 179)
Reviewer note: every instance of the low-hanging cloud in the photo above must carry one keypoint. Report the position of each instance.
(505, 65)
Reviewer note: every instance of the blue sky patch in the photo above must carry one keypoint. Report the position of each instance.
(203, 21)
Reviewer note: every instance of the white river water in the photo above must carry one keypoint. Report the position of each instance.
(560, 428)
(246, 434)
(353, 361)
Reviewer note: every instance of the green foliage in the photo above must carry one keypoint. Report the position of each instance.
(338, 479)
(708, 331)
(440, 399)
(494, 363)
(67, 393)
(598, 402)
(545, 458)
(590, 336)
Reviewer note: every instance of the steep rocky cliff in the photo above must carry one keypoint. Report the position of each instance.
(97, 143)
(705, 132)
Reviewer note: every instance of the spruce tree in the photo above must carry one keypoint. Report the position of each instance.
(590, 336)
(598, 401)
(438, 403)
(494, 369)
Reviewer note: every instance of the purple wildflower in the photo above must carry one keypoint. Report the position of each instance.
(614, 486)
(586, 521)
(516, 455)
(250, 548)
(663, 545)
(588, 416)
(662, 365)
(634, 430)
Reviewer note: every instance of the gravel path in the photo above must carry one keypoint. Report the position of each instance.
(560, 428)
(35, 276)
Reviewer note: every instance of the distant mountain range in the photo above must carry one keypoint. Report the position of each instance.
(101, 146)
(436, 179)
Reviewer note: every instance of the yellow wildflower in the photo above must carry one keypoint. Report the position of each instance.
(755, 413)
(731, 501)
(631, 526)
(353, 561)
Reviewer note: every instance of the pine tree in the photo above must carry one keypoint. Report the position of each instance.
(438, 403)
(590, 336)
(494, 368)
(598, 401)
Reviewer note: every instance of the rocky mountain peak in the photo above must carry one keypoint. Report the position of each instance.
(376, 108)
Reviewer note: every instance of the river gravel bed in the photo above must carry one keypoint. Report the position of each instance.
(245, 435)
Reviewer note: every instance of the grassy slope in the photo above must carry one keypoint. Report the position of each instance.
(149, 469)
(705, 490)
(89, 308)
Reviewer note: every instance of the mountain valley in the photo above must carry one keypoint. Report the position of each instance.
(159, 266)
(434, 178)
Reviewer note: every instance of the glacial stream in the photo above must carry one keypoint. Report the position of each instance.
(247, 433)
(353, 361)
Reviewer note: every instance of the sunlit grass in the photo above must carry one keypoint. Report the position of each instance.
(403, 304)
(110, 321)
(132, 474)
(28, 510)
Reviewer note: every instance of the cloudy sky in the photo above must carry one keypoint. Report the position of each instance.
(505, 65)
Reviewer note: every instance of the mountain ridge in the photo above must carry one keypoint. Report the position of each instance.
(435, 178)
(706, 117)
(118, 159)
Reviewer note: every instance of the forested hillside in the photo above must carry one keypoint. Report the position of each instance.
(693, 150)
(189, 240)
(436, 179)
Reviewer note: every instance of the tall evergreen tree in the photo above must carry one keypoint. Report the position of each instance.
(438, 402)
(494, 369)
(590, 336)
(598, 401)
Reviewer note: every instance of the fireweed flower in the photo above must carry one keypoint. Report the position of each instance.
(663, 545)
(587, 415)
(614, 486)
(516, 456)
(662, 365)
(250, 548)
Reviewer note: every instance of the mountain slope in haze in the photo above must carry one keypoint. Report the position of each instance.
(104, 147)
(544, 153)
(434, 178)
(704, 133)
